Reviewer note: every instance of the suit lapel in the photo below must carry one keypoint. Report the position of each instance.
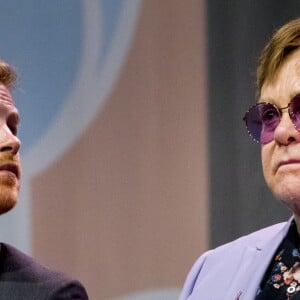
(256, 259)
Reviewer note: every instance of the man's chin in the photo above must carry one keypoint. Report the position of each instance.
(291, 200)
(8, 201)
(6, 206)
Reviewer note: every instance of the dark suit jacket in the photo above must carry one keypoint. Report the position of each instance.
(22, 278)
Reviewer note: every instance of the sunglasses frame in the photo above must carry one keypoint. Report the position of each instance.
(278, 109)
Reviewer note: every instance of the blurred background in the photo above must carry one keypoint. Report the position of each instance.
(135, 156)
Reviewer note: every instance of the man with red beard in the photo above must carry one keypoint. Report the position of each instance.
(20, 276)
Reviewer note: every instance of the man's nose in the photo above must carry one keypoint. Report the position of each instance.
(8, 141)
(286, 131)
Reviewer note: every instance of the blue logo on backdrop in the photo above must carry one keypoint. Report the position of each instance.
(44, 40)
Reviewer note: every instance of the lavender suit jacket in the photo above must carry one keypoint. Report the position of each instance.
(234, 271)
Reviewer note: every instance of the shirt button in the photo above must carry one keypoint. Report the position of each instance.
(291, 289)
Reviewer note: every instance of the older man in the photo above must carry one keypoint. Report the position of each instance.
(266, 263)
(20, 276)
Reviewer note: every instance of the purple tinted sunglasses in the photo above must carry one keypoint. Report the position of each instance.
(262, 119)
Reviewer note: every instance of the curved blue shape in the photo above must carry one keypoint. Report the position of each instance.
(111, 10)
(43, 40)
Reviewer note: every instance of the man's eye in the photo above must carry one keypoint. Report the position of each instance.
(13, 128)
(12, 124)
(269, 115)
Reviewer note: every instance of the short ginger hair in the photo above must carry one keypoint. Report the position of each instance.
(8, 75)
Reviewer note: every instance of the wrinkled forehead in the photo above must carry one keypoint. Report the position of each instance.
(5, 95)
(284, 84)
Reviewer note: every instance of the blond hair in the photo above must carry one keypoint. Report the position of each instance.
(284, 41)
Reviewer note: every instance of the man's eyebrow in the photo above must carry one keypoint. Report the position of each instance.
(10, 111)
(268, 100)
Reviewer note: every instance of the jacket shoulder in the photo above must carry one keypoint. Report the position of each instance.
(23, 272)
(225, 257)
(17, 265)
(258, 237)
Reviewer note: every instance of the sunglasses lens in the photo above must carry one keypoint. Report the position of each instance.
(295, 111)
(261, 121)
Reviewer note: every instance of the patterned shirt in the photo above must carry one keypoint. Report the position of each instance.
(282, 278)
